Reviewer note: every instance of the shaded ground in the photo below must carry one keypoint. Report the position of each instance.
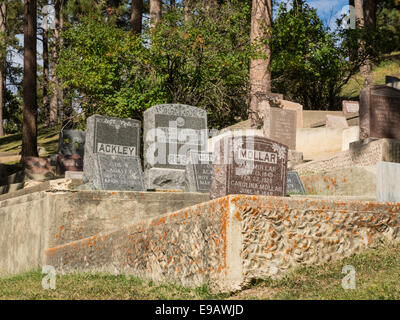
(377, 277)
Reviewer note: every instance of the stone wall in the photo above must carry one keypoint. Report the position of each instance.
(33, 222)
(227, 242)
(354, 181)
(359, 155)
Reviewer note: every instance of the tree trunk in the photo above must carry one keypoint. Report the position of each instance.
(359, 12)
(136, 16)
(53, 117)
(3, 61)
(29, 129)
(46, 105)
(155, 12)
(172, 5)
(370, 13)
(187, 9)
(260, 69)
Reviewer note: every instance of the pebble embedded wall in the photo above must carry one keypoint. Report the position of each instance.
(227, 242)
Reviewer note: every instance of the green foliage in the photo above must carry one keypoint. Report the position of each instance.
(202, 62)
(308, 64)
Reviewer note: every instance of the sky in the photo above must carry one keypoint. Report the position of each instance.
(326, 9)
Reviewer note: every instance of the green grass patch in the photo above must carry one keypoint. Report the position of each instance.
(28, 286)
(389, 67)
(377, 278)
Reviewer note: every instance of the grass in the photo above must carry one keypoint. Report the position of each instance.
(47, 139)
(377, 277)
(389, 67)
(100, 286)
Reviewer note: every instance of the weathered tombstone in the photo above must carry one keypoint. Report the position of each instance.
(280, 125)
(68, 163)
(336, 122)
(199, 171)
(387, 182)
(393, 82)
(170, 131)
(38, 168)
(71, 142)
(249, 165)
(112, 154)
(350, 107)
(294, 183)
(289, 105)
(380, 113)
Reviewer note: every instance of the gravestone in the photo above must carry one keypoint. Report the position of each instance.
(387, 182)
(336, 122)
(199, 171)
(350, 107)
(249, 165)
(68, 163)
(38, 168)
(280, 125)
(112, 154)
(71, 142)
(294, 183)
(170, 131)
(289, 105)
(393, 82)
(380, 113)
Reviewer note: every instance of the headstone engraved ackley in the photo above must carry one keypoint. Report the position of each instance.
(112, 154)
(249, 165)
(170, 131)
(380, 113)
(199, 171)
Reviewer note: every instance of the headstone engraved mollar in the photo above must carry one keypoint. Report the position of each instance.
(112, 154)
(380, 113)
(280, 125)
(170, 131)
(249, 165)
(199, 171)
(294, 183)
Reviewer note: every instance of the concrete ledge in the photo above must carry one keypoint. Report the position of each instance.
(33, 222)
(229, 241)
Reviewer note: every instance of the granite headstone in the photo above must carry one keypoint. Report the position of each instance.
(71, 142)
(290, 105)
(336, 122)
(380, 113)
(68, 163)
(280, 125)
(249, 165)
(294, 183)
(112, 154)
(350, 107)
(393, 82)
(170, 131)
(199, 171)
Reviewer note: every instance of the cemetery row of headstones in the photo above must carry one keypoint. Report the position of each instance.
(176, 151)
(175, 148)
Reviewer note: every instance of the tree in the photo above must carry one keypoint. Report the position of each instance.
(29, 126)
(260, 67)
(3, 61)
(155, 12)
(55, 85)
(136, 16)
(45, 56)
